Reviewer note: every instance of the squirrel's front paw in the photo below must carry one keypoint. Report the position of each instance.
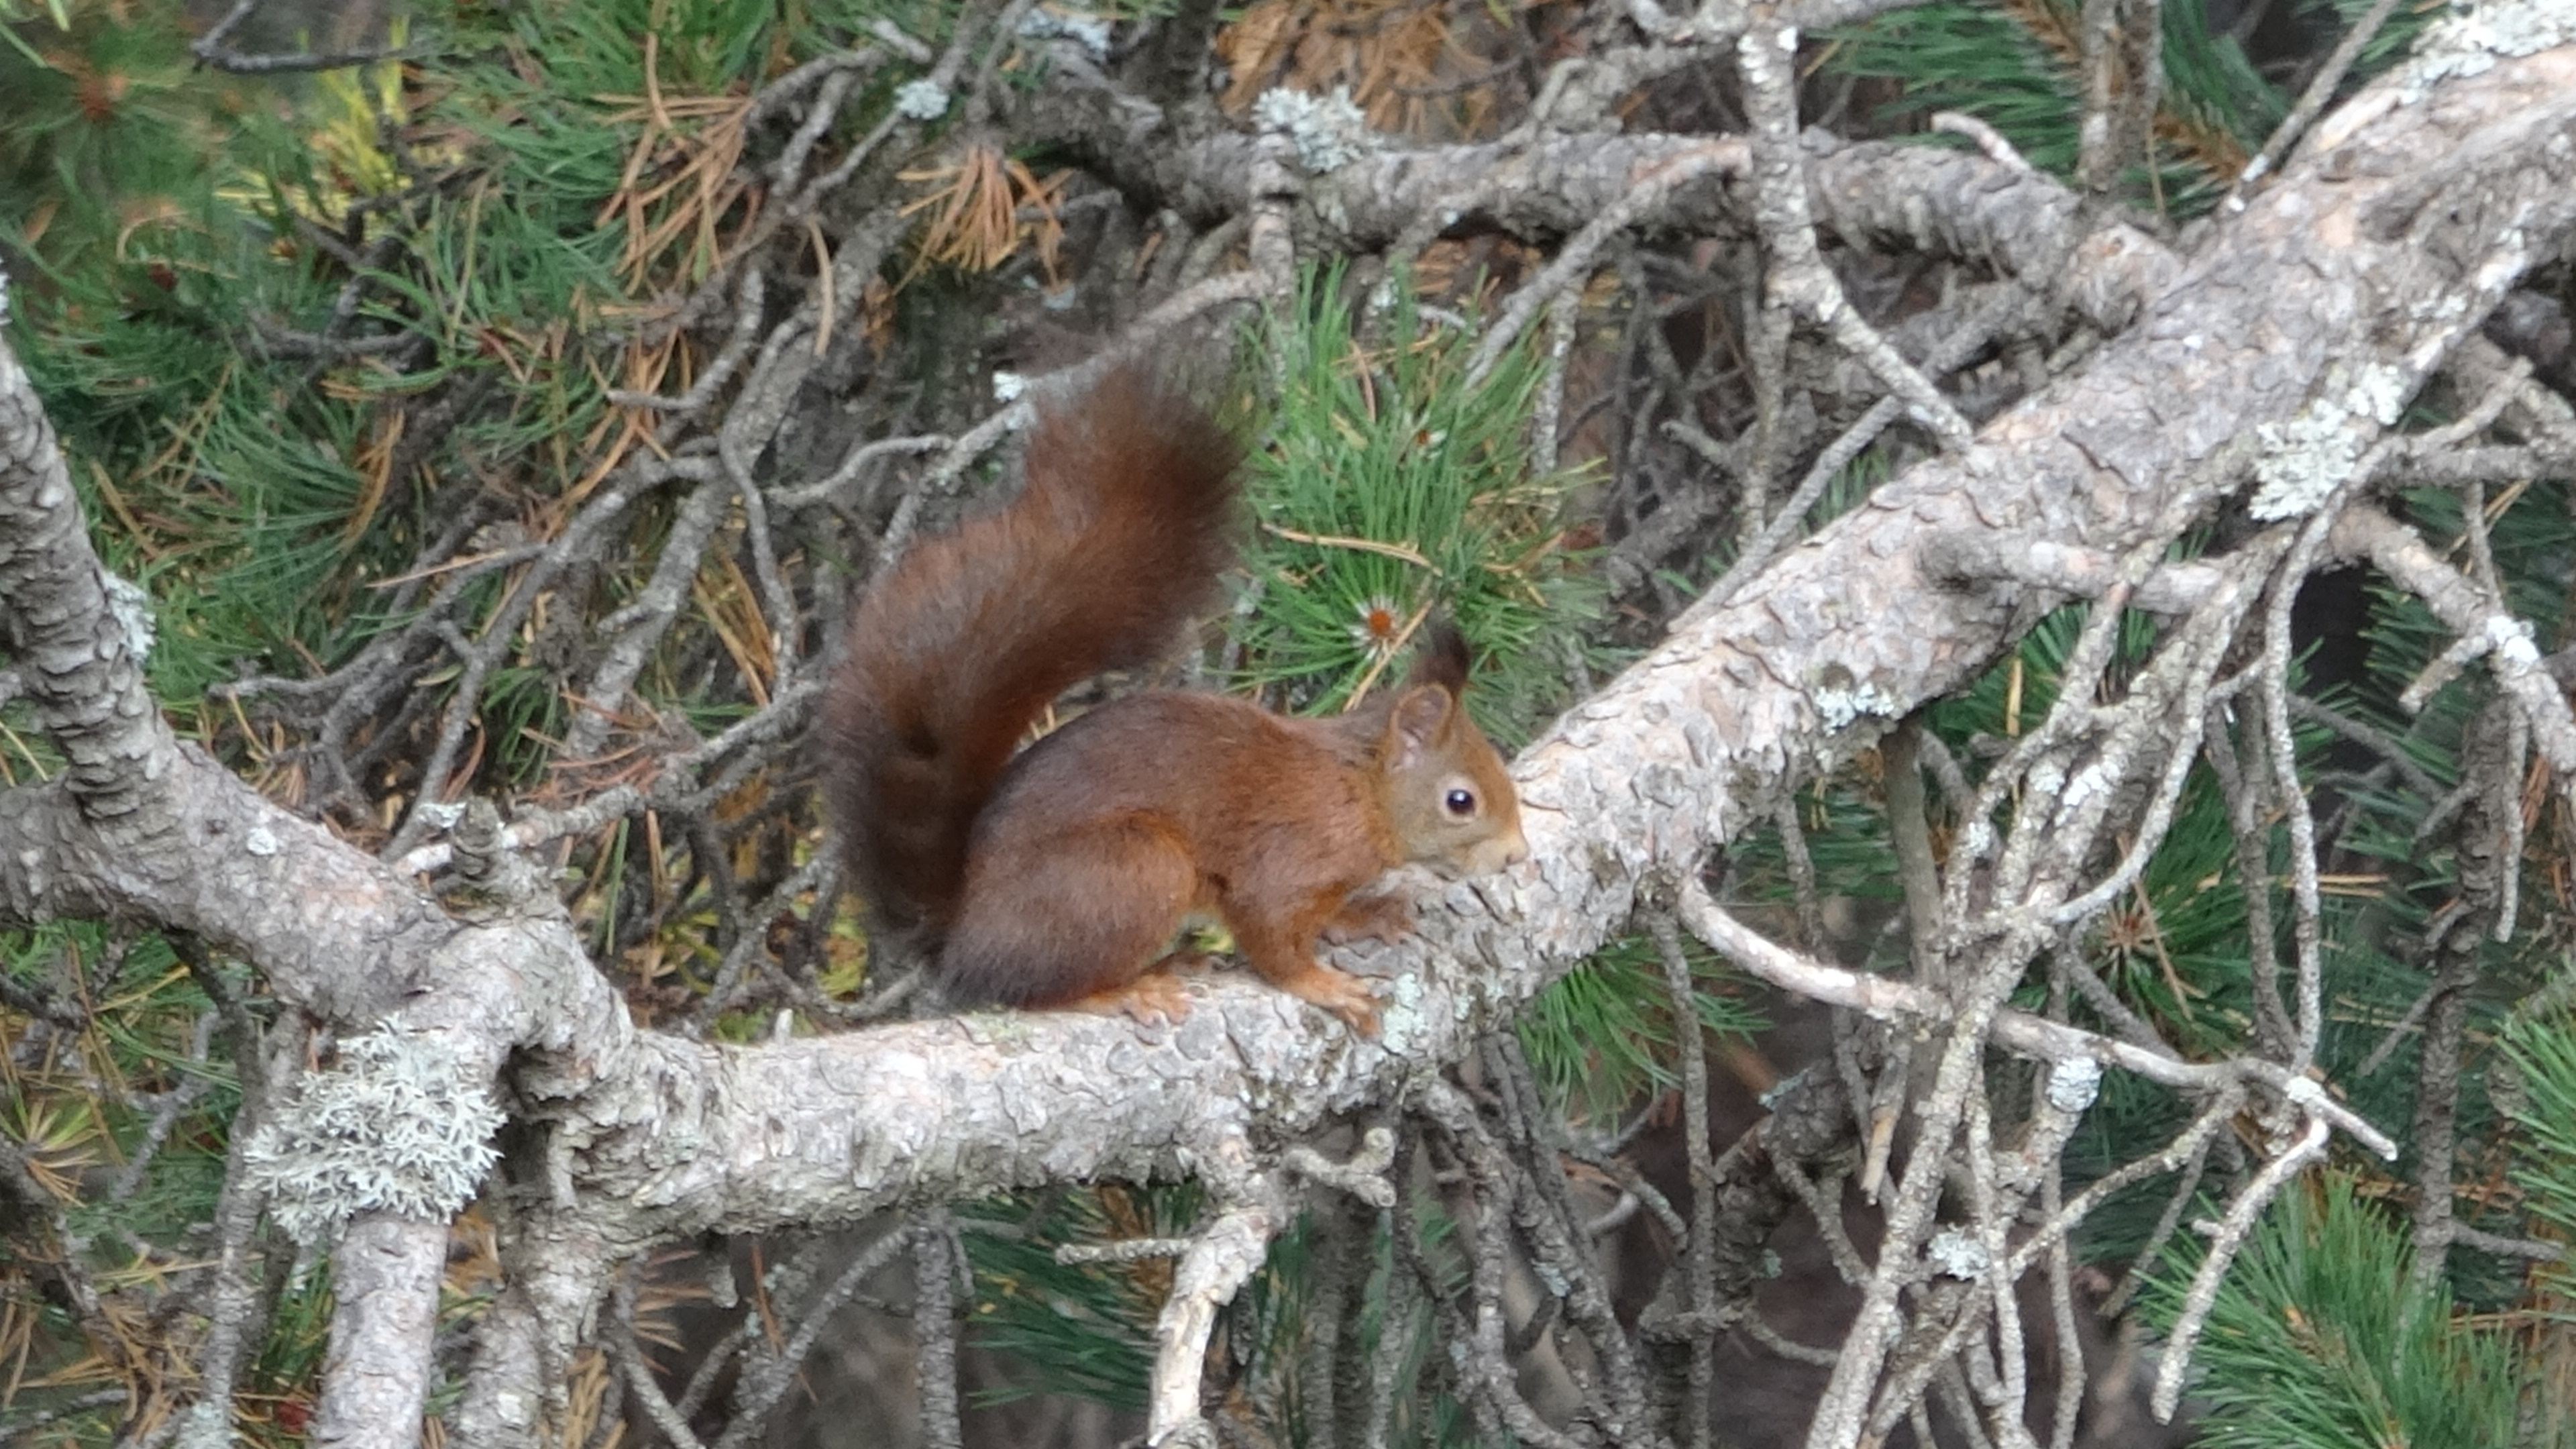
(1342, 994)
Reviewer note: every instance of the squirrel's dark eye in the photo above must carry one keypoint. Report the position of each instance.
(1460, 802)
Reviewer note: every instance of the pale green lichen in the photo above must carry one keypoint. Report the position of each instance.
(205, 1425)
(2085, 786)
(2304, 460)
(1402, 1024)
(2471, 39)
(2380, 393)
(1957, 1254)
(1329, 132)
(400, 1125)
(2307, 458)
(2074, 1083)
(1087, 30)
(1839, 707)
(2510, 639)
(921, 100)
(131, 607)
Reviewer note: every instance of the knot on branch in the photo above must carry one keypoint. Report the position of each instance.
(1363, 1177)
(487, 857)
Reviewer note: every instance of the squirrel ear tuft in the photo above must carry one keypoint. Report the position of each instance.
(1443, 658)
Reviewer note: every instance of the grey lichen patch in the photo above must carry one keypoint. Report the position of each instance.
(1329, 132)
(1842, 701)
(1957, 1254)
(2471, 39)
(2074, 1083)
(400, 1125)
(131, 607)
(2306, 459)
(1085, 29)
(1403, 1025)
(921, 100)
(2510, 639)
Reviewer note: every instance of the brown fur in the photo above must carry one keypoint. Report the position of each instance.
(978, 630)
(1060, 877)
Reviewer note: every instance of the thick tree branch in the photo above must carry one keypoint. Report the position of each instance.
(79, 665)
(1552, 185)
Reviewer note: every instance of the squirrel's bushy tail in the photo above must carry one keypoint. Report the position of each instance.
(1116, 541)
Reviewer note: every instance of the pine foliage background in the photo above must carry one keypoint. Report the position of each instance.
(330, 357)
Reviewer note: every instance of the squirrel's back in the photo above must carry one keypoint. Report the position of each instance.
(1115, 542)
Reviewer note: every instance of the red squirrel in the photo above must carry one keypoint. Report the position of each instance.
(1058, 877)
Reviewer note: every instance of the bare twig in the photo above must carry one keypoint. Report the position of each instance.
(721, 368)
(1774, 531)
(2228, 1236)
(934, 1317)
(767, 1378)
(2321, 89)
(2403, 555)
(1700, 1246)
(211, 49)
(1222, 1255)
(1765, 56)
(1574, 260)
(2123, 63)
(1988, 139)
(2013, 1030)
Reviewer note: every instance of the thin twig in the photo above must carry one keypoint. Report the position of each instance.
(210, 49)
(1574, 259)
(934, 1321)
(2014, 1031)
(2321, 89)
(1700, 1245)
(2229, 1236)
(1766, 57)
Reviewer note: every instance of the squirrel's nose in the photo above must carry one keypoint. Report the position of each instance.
(1506, 851)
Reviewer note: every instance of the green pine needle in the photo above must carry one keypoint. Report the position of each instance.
(2321, 1340)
